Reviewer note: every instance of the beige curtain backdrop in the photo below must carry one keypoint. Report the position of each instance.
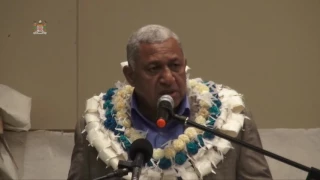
(267, 50)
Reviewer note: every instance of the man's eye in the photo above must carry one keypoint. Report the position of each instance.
(176, 66)
(153, 69)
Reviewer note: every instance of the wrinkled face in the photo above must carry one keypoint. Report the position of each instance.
(160, 70)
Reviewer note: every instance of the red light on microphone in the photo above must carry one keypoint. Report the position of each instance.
(161, 123)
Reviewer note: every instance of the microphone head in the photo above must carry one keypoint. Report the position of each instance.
(166, 98)
(141, 146)
(165, 101)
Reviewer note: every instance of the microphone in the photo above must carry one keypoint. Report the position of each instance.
(164, 110)
(140, 152)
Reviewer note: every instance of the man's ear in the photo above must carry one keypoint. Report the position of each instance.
(129, 74)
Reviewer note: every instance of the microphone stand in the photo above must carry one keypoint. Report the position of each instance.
(124, 167)
(313, 173)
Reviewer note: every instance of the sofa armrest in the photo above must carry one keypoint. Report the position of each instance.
(1, 122)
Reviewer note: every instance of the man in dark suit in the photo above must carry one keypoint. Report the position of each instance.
(156, 67)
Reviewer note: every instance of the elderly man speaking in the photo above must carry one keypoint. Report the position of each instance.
(115, 119)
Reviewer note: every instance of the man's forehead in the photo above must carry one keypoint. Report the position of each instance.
(159, 58)
(162, 58)
(169, 43)
(167, 49)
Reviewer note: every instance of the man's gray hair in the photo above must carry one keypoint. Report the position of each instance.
(147, 34)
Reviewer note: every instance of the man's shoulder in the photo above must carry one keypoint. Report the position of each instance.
(234, 101)
(213, 86)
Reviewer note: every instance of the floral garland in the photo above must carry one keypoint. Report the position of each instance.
(191, 155)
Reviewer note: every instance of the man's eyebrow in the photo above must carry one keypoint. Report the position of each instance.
(153, 62)
(174, 59)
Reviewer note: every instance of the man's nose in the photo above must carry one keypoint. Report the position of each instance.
(167, 77)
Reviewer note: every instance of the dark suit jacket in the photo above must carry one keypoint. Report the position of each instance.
(239, 163)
